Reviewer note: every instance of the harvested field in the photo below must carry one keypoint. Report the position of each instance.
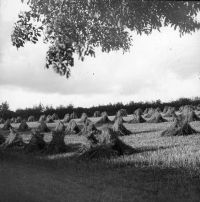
(161, 169)
(66, 67)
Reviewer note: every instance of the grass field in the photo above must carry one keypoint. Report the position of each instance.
(162, 169)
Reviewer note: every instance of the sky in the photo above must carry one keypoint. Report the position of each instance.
(161, 66)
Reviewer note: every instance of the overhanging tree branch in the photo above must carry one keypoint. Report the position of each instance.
(78, 27)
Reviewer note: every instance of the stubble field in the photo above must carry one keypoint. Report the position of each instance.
(162, 169)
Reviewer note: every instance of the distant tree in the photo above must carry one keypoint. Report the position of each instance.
(40, 107)
(4, 106)
(60, 107)
(79, 26)
(4, 109)
(70, 107)
(46, 108)
(197, 98)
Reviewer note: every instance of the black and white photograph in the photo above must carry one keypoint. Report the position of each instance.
(99, 101)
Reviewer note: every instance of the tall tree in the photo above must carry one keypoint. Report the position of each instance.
(79, 26)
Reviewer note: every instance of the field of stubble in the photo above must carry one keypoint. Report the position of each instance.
(163, 169)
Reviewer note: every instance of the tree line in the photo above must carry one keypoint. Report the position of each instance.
(111, 109)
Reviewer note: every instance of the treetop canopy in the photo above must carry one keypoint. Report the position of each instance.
(78, 27)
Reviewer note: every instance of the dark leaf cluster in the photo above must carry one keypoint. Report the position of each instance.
(82, 26)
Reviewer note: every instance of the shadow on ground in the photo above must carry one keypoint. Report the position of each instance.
(29, 178)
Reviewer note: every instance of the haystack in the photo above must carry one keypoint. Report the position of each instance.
(119, 114)
(165, 109)
(170, 112)
(123, 112)
(83, 119)
(189, 107)
(180, 127)
(73, 115)
(186, 108)
(119, 128)
(23, 126)
(18, 119)
(12, 120)
(197, 113)
(103, 120)
(145, 111)
(43, 127)
(13, 139)
(181, 108)
(55, 116)
(2, 120)
(156, 118)
(60, 127)
(88, 128)
(97, 114)
(137, 119)
(49, 119)
(42, 118)
(138, 112)
(190, 116)
(7, 125)
(36, 143)
(174, 116)
(66, 118)
(57, 144)
(158, 110)
(150, 113)
(31, 119)
(105, 144)
(72, 128)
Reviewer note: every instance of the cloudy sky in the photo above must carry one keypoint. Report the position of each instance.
(160, 66)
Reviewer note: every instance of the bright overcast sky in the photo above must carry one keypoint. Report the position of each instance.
(160, 66)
